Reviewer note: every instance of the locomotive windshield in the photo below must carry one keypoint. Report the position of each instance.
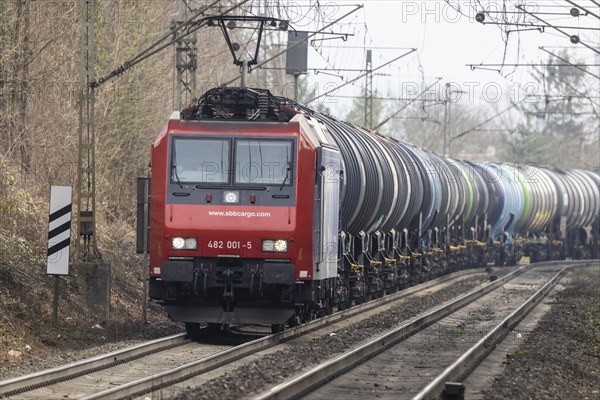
(260, 161)
(254, 161)
(200, 160)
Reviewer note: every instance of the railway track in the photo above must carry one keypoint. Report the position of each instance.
(79, 379)
(418, 358)
(160, 363)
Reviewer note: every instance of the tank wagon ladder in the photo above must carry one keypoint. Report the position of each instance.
(422, 262)
(353, 273)
(400, 257)
(368, 273)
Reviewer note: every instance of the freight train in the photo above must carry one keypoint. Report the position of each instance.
(263, 211)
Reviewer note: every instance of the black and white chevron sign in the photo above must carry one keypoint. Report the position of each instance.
(59, 230)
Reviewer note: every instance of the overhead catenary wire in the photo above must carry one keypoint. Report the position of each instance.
(567, 61)
(583, 8)
(360, 76)
(406, 105)
(358, 7)
(517, 13)
(531, 65)
(463, 133)
(588, 98)
(558, 29)
(191, 25)
(540, 27)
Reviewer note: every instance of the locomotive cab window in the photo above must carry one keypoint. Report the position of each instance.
(263, 162)
(200, 160)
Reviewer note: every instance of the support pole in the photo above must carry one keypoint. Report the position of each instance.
(86, 171)
(368, 122)
(93, 275)
(56, 296)
(244, 73)
(296, 76)
(448, 137)
(448, 153)
(446, 114)
(186, 61)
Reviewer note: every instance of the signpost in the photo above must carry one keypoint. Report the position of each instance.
(59, 237)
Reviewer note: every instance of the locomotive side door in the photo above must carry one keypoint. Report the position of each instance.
(326, 213)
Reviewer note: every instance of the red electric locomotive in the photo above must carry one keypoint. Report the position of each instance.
(245, 217)
(244, 213)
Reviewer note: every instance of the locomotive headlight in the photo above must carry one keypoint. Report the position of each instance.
(191, 243)
(279, 246)
(231, 197)
(180, 243)
(177, 243)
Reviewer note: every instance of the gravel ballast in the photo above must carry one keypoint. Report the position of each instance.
(560, 359)
(28, 365)
(273, 368)
(58, 352)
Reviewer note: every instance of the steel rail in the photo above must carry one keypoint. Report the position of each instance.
(75, 369)
(310, 380)
(187, 371)
(476, 354)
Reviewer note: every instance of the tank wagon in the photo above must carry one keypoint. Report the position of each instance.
(263, 211)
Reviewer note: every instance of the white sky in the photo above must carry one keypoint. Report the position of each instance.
(446, 41)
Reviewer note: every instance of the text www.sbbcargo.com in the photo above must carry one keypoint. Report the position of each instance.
(247, 214)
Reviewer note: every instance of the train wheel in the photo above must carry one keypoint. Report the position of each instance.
(499, 260)
(344, 304)
(195, 331)
(482, 262)
(347, 302)
(362, 299)
(192, 329)
(277, 328)
(328, 307)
